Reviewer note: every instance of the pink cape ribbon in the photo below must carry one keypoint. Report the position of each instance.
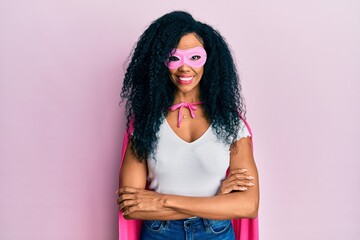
(190, 106)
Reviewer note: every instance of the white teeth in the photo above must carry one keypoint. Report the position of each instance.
(185, 78)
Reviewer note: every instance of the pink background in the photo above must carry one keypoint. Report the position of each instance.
(61, 126)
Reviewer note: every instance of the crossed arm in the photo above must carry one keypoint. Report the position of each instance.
(238, 195)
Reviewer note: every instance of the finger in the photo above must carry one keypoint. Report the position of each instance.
(236, 188)
(243, 176)
(239, 182)
(229, 189)
(128, 203)
(237, 176)
(250, 177)
(233, 177)
(129, 210)
(127, 190)
(235, 185)
(239, 188)
(238, 170)
(126, 196)
(119, 200)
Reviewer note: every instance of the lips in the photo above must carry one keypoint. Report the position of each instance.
(185, 79)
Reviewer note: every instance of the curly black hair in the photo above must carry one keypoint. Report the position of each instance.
(150, 93)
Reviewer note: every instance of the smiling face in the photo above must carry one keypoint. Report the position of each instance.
(186, 64)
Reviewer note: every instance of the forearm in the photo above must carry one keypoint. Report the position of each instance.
(168, 214)
(146, 205)
(228, 206)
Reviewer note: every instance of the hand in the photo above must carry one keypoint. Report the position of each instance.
(237, 180)
(133, 199)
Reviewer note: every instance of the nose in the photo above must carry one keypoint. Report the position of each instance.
(184, 68)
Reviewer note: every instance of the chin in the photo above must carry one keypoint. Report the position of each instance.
(186, 89)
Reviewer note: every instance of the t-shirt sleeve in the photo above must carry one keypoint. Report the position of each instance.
(243, 131)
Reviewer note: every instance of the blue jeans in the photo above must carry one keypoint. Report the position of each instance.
(187, 229)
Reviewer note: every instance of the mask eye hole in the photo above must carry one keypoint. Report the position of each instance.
(195, 57)
(173, 59)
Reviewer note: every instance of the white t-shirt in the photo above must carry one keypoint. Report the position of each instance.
(189, 169)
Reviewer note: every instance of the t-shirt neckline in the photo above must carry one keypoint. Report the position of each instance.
(182, 140)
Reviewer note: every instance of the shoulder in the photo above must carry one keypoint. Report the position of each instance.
(244, 129)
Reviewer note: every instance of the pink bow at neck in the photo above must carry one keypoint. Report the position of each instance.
(190, 106)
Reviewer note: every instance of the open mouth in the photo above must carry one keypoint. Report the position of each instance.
(185, 79)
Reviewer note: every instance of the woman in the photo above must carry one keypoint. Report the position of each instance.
(188, 167)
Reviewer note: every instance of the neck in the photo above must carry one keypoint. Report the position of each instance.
(186, 97)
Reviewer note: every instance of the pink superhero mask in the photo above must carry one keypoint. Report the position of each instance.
(194, 57)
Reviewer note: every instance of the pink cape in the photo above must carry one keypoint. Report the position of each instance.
(245, 228)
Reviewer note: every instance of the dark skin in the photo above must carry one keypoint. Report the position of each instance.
(238, 194)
